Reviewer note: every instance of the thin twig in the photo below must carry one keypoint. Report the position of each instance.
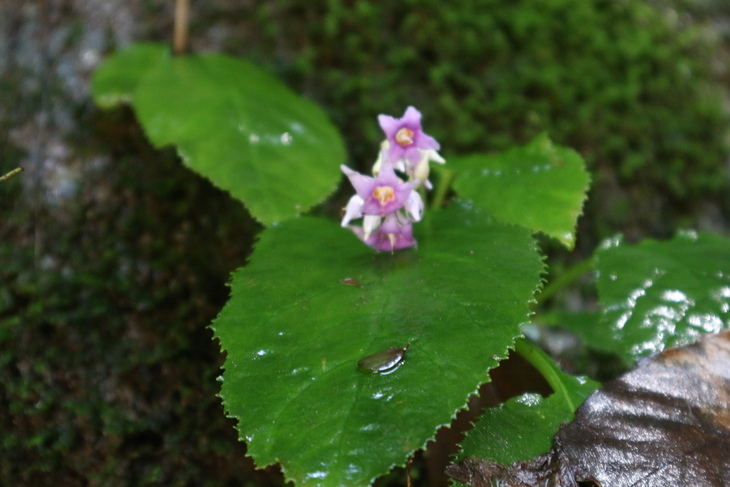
(181, 26)
(12, 173)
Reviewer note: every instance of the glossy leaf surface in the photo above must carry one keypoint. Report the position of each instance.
(665, 423)
(523, 427)
(232, 123)
(541, 186)
(295, 329)
(659, 294)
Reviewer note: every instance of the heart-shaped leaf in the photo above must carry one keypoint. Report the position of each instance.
(541, 186)
(232, 123)
(661, 294)
(314, 302)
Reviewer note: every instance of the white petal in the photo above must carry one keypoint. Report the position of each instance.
(434, 156)
(421, 172)
(352, 210)
(370, 223)
(378, 164)
(414, 206)
(392, 237)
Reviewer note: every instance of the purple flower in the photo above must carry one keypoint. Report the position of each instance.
(406, 137)
(394, 233)
(387, 205)
(380, 196)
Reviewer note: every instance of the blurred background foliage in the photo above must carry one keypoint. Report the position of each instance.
(114, 258)
(628, 85)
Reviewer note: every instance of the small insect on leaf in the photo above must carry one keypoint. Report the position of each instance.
(383, 362)
(350, 281)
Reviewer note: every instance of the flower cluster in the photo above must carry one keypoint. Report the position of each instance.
(387, 204)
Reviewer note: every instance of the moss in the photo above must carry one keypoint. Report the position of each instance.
(108, 372)
(627, 85)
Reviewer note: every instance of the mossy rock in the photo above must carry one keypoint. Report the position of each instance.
(627, 85)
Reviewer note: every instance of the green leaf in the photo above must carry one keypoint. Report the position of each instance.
(116, 80)
(523, 427)
(657, 295)
(541, 186)
(314, 301)
(232, 123)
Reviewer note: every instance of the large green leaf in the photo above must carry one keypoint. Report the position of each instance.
(523, 427)
(541, 186)
(116, 80)
(659, 294)
(232, 123)
(314, 300)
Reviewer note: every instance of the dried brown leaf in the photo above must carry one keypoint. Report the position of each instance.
(667, 423)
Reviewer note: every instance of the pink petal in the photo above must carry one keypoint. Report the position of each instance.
(389, 125)
(363, 184)
(411, 119)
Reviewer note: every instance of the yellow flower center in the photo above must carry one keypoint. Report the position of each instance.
(404, 137)
(384, 194)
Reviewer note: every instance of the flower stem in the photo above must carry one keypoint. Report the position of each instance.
(442, 189)
(547, 368)
(565, 279)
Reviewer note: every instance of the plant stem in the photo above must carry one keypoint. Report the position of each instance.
(12, 173)
(547, 368)
(181, 26)
(565, 279)
(447, 176)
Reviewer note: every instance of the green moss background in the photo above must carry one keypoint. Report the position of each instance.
(630, 86)
(114, 258)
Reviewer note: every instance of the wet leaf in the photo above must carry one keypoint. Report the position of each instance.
(659, 294)
(523, 427)
(230, 122)
(541, 186)
(666, 423)
(294, 335)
